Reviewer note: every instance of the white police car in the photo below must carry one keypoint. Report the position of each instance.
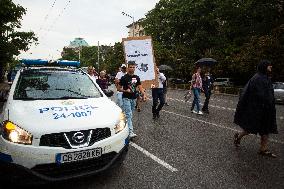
(57, 124)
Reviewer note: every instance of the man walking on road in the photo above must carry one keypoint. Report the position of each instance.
(158, 94)
(207, 85)
(256, 111)
(117, 80)
(128, 86)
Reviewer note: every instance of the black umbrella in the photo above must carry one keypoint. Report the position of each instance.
(165, 67)
(206, 62)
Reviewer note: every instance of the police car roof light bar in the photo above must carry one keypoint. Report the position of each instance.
(68, 63)
(30, 62)
(41, 62)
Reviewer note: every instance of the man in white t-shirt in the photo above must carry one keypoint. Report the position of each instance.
(158, 95)
(117, 80)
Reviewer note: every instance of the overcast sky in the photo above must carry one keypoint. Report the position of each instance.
(93, 20)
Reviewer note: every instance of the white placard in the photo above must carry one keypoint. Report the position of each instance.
(140, 51)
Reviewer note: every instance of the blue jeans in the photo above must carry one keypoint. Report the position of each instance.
(119, 99)
(128, 108)
(196, 93)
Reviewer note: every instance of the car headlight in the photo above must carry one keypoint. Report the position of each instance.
(13, 133)
(121, 124)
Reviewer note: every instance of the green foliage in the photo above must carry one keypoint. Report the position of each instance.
(114, 57)
(237, 33)
(270, 46)
(70, 54)
(110, 57)
(11, 40)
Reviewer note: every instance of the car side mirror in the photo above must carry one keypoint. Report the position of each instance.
(108, 92)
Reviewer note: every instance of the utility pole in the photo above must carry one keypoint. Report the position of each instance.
(80, 54)
(133, 26)
(98, 56)
(125, 14)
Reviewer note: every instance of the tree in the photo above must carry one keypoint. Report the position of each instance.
(183, 28)
(11, 40)
(114, 57)
(223, 30)
(270, 46)
(70, 54)
(110, 57)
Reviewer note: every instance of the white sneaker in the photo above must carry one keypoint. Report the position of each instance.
(200, 113)
(132, 135)
(193, 111)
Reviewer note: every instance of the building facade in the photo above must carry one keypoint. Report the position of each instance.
(78, 42)
(76, 45)
(136, 29)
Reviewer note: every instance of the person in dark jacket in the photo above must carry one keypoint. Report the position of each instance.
(102, 81)
(256, 113)
(207, 84)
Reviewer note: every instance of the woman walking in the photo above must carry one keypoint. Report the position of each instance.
(255, 111)
(196, 86)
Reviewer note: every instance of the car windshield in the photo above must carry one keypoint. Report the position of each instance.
(278, 85)
(85, 69)
(54, 84)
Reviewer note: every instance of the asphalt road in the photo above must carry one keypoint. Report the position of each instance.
(185, 150)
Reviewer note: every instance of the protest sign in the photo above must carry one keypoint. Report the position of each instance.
(140, 51)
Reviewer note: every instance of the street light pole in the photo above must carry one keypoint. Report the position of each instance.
(98, 56)
(79, 53)
(125, 14)
(133, 26)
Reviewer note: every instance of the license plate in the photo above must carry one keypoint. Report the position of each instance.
(79, 155)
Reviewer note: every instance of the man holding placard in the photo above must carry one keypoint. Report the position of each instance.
(128, 86)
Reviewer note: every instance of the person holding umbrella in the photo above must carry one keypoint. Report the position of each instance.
(207, 82)
(207, 85)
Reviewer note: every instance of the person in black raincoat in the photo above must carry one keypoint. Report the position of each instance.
(256, 113)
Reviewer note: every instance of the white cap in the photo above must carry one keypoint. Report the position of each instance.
(123, 65)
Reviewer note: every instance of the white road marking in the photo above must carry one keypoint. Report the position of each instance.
(214, 124)
(224, 108)
(214, 106)
(155, 158)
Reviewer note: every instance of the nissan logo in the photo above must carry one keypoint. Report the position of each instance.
(78, 137)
